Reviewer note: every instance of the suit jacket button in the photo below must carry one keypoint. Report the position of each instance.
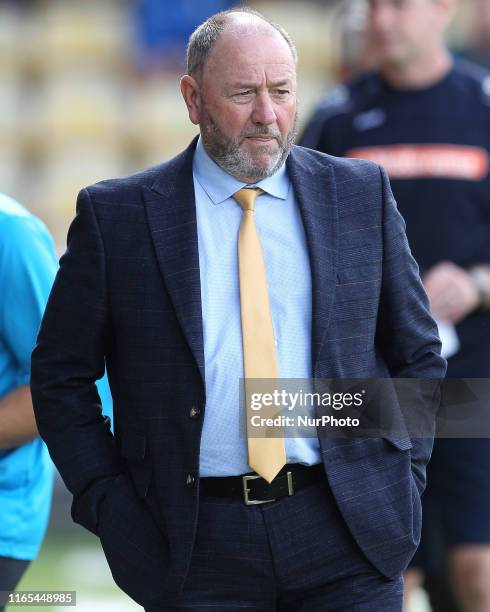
(191, 479)
(194, 412)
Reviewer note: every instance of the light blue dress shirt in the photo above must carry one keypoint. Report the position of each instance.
(279, 223)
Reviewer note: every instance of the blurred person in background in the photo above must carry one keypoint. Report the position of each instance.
(28, 266)
(355, 54)
(165, 279)
(426, 118)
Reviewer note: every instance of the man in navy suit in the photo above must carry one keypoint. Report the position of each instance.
(150, 286)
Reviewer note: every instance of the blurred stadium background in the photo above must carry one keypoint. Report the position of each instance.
(90, 90)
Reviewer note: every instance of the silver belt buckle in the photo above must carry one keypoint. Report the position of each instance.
(255, 502)
(246, 491)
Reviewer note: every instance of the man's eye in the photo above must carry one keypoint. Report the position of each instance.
(244, 93)
(282, 92)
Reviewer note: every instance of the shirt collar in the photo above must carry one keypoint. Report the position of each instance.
(219, 185)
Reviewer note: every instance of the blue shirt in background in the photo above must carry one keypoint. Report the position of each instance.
(164, 26)
(279, 223)
(28, 264)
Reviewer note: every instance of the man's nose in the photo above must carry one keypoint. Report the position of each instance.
(263, 111)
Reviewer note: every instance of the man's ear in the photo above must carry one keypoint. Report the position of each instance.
(192, 96)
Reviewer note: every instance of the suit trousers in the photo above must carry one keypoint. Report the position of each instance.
(11, 571)
(289, 555)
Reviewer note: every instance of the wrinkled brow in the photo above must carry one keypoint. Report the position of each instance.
(253, 85)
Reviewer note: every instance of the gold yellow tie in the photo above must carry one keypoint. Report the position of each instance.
(265, 455)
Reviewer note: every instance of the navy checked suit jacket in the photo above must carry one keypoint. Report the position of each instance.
(127, 295)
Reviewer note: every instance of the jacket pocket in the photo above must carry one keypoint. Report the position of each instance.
(135, 546)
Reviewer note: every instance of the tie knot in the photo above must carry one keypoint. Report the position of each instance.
(246, 197)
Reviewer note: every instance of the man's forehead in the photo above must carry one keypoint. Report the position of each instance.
(250, 55)
(240, 75)
(250, 43)
(273, 74)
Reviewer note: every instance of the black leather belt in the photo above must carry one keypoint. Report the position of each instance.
(253, 489)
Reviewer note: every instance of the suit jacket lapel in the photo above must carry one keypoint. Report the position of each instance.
(171, 211)
(315, 191)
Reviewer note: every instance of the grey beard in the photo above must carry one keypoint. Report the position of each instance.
(226, 153)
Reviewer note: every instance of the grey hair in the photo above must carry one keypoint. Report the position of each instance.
(204, 37)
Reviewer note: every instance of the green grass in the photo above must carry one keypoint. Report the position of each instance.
(72, 560)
